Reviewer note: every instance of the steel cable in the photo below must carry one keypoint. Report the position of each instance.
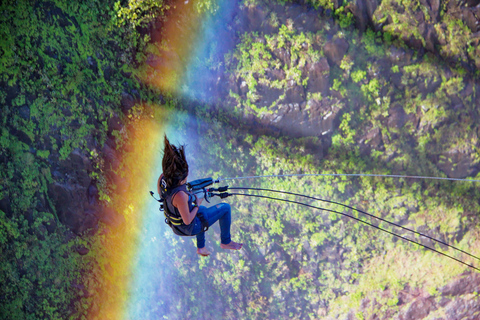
(347, 175)
(357, 219)
(361, 211)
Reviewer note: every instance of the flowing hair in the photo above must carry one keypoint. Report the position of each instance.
(174, 164)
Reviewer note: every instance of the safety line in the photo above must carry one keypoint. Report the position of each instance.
(367, 223)
(361, 211)
(347, 175)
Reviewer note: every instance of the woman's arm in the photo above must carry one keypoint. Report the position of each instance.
(180, 200)
(158, 185)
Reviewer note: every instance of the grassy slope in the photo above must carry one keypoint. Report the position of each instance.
(64, 66)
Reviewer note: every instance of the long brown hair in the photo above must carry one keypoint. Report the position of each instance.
(174, 164)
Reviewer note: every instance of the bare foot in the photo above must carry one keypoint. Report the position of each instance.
(232, 245)
(203, 252)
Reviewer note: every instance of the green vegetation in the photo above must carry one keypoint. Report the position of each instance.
(315, 264)
(310, 257)
(257, 66)
(66, 65)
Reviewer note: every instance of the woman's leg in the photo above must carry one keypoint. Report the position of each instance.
(222, 213)
(201, 235)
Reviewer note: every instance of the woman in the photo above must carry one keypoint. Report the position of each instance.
(183, 210)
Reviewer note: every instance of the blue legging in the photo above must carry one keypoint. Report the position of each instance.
(220, 212)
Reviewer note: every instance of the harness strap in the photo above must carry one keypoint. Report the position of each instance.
(172, 220)
(179, 221)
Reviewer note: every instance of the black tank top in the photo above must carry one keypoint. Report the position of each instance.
(168, 194)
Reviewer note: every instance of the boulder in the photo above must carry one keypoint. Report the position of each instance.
(419, 309)
(470, 18)
(397, 117)
(434, 6)
(431, 38)
(110, 217)
(92, 62)
(295, 94)
(5, 206)
(267, 95)
(114, 123)
(456, 164)
(73, 193)
(92, 194)
(363, 11)
(429, 87)
(50, 225)
(90, 220)
(468, 283)
(374, 138)
(283, 55)
(359, 11)
(110, 156)
(41, 232)
(127, 102)
(82, 250)
(108, 72)
(335, 50)
(463, 308)
(294, 11)
(371, 6)
(165, 61)
(24, 112)
(68, 200)
(256, 16)
(400, 56)
(318, 75)
(307, 22)
(396, 79)
(76, 168)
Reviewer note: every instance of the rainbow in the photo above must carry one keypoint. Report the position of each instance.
(177, 58)
(131, 277)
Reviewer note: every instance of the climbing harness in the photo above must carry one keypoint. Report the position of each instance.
(172, 217)
(199, 187)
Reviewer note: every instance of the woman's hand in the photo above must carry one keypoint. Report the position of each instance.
(198, 201)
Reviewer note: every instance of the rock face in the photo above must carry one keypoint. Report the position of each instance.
(363, 12)
(74, 193)
(419, 309)
(70, 192)
(397, 117)
(457, 164)
(268, 95)
(428, 24)
(319, 76)
(457, 300)
(466, 284)
(70, 205)
(127, 102)
(335, 50)
(374, 138)
(295, 94)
